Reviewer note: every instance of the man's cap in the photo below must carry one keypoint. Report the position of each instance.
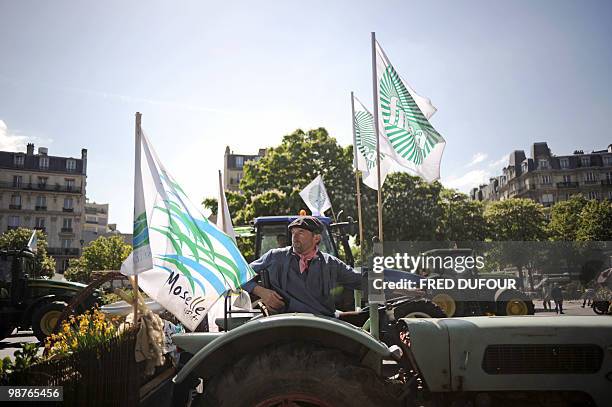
(309, 223)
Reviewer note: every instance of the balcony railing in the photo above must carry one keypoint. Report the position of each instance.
(41, 228)
(66, 230)
(68, 209)
(591, 182)
(60, 251)
(40, 208)
(40, 187)
(606, 182)
(567, 185)
(12, 206)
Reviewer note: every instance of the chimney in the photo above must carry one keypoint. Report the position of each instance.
(43, 151)
(84, 158)
(30, 149)
(610, 148)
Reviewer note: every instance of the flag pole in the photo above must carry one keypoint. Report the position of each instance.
(137, 150)
(375, 99)
(374, 320)
(357, 294)
(357, 186)
(222, 206)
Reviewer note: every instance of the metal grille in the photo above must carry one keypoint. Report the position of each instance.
(542, 359)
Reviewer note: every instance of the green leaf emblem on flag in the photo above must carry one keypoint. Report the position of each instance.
(408, 130)
(366, 137)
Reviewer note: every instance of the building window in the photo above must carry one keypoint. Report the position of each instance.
(609, 177)
(610, 195)
(43, 163)
(41, 203)
(68, 203)
(567, 178)
(70, 165)
(66, 243)
(67, 223)
(69, 184)
(590, 177)
(545, 179)
(607, 160)
(13, 222)
(524, 167)
(42, 182)
(543, 164)
(17, 181)
(239, 162)
(40, 223)
(585, 161)
(593, 195)
(547, 199)
(564, 162)
(15, 202)
(19, 160)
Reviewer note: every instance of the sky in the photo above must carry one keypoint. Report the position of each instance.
(502, 74)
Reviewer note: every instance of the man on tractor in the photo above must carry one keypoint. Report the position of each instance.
(302, 278)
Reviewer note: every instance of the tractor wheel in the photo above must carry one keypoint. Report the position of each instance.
(513, 302)
(45, 318)
(6, 329)
(446, 302)
(419, 309)
(600, 307)
(297, 374)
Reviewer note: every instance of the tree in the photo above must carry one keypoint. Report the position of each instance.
(514, 222)
(235, 202)
(595, 222)
(104, 253)
(17, 239)
(462, 218)
(565, 218)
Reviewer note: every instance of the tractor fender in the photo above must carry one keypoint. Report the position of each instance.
(214, 351)
(500, 292)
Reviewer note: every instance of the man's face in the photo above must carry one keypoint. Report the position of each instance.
(303, 241)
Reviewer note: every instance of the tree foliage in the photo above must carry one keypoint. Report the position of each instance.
(516, 220)
(595, 223)
(104, 253)
(17, 239)
(565, 218)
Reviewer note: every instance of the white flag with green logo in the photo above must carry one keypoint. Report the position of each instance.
(364, 144)
(315, 197)
(192, 262)
(403, 122)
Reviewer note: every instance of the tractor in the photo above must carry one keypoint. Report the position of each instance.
(26, 300)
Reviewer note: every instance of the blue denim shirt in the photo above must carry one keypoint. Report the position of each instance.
(311, 291)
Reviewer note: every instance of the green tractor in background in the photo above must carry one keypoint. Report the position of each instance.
(26, 300)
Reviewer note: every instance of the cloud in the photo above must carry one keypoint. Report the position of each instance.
(477, 158)
(467, 181)
(499, 164)
(10, 141)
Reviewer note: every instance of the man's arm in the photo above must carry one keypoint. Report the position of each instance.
(347, 276)
(269, 297)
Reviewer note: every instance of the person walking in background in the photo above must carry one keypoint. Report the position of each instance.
(589, 295)
(557, 296)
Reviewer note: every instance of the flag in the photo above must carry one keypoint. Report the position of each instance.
(193, 263)
(403, 116)
(33, 242)
(315, 197)
(364, 144)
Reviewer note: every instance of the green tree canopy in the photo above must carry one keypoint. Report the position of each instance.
(17, 239)
(516, 220)
(462, 219)
(565, 218)
(104, 253)
(595, 221)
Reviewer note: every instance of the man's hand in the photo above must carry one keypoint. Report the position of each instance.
(269, 297)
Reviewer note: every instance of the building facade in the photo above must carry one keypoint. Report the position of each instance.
(233, 167)
(547, 178)
(96, 221)
(44, 192)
